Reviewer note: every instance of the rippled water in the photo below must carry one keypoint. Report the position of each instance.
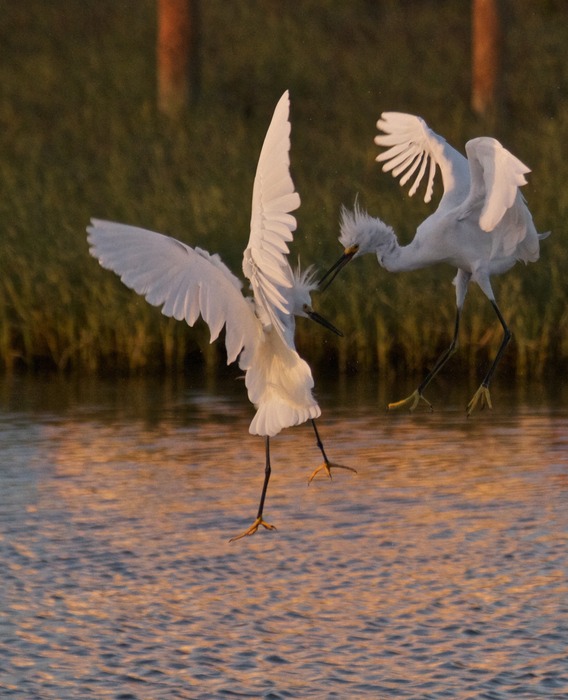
(438, 571)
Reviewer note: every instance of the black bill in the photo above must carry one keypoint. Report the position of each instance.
(323, 322)
(335, 269)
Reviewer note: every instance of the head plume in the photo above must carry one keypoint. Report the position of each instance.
(304, 279)
(363, 233)
(303, 284)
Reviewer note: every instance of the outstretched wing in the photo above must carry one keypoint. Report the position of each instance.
(265, 261)
(412, 148)
(186, 282)
(496, 175)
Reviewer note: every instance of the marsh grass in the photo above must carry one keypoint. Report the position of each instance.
(80, 137)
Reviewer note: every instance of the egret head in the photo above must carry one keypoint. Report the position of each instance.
(359, 234)
(304, 283)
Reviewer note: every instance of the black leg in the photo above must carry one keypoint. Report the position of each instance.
(326, 465)
(482, 397)
(444, 357)
(319, 442)
(259, 521)
(267, 472)
(507, 335)
(414, 399)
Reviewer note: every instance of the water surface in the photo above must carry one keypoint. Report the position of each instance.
(438, 571)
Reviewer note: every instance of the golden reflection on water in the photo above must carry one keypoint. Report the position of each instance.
(438, 570)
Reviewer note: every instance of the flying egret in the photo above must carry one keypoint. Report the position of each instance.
(482, 225)
(259, 331)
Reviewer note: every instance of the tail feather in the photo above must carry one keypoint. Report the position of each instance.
(279, 384)
(273, 416)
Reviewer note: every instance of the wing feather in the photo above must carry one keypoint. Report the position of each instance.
(184, 281)
(265, 261)
(496, 175)
(412, 146)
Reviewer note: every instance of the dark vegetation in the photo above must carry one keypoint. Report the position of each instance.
(80, 136)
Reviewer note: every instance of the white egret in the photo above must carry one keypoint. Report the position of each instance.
(188, 282)
(482, 225)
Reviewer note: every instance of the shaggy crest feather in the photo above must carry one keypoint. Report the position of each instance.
(305, 280)
(358, 228)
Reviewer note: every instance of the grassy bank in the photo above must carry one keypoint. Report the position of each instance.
(79, 137)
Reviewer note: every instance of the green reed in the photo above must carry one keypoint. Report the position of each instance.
(80, 137)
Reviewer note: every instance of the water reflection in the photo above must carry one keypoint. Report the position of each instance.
(438, 571)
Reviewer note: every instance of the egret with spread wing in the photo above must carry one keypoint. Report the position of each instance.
(188, 282)
(482, 225)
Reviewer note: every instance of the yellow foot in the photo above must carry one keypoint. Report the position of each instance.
(253, 528)
(481, 399)
(411, 402)
(328, 466)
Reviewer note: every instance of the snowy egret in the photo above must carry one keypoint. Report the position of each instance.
(482, 225)
(259, 331)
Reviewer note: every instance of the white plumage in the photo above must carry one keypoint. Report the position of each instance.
(188, 282)
(482, 225)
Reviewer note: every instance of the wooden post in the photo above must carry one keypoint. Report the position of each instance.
(178, 68)
(486, 58)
